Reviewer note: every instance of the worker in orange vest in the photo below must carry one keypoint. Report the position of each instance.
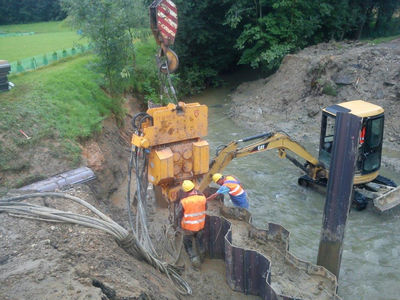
(191, 214)
(230, 185)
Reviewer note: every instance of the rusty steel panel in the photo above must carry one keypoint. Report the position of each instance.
(340, 186)
(247, 271)
(252, 279)
(214, 234)
(229, 265)
(238, 268)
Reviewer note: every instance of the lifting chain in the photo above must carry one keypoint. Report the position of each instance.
(164, 76)
(164, 25)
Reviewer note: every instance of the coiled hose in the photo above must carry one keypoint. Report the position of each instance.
(127, 240)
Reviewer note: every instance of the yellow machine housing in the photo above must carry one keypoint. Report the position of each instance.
(177, 151)
(359, 108)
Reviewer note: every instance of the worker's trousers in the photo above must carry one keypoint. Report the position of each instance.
(194, 236)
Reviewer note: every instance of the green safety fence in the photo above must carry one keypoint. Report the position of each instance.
(37, 61)
(8, 34)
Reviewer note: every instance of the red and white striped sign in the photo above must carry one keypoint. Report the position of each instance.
(167, 21)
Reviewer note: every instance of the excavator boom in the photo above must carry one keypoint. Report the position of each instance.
(264, 142)
(382, 191)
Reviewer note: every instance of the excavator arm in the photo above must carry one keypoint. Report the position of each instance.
(264, 142)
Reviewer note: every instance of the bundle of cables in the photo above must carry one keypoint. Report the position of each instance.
(138, 245)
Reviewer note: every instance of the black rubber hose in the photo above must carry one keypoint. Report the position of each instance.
(133, 122)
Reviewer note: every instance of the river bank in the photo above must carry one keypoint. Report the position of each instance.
(291, 99)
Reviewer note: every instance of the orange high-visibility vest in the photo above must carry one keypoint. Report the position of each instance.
(235, 189)
(194, 212)
(362, 135)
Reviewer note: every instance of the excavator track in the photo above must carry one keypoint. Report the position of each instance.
(385, 181)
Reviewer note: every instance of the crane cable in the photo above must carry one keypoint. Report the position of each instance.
(139, 163)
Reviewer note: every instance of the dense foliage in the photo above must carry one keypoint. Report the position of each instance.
(28, 11)
(215, 35)
(204, 44)
(109, 24)
(269, 29)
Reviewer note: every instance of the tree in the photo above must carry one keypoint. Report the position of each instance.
(108, 24)
(203, 43)
(386, 9)
(272, 29)
(28, 11)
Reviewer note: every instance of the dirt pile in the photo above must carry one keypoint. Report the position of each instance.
(291, 99)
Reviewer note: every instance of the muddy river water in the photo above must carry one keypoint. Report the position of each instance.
(370, 266)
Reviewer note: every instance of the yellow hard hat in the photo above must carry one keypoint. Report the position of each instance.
(187, 185)
(216, 177)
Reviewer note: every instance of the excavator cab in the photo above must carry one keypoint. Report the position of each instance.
(370, 139)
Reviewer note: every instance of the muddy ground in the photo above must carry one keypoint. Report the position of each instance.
(42, 260)
(58, 261)
(291, 99)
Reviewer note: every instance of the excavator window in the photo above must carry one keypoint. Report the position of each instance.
(371, 150)
(327, 136)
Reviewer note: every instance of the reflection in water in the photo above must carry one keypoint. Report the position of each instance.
(370, 264)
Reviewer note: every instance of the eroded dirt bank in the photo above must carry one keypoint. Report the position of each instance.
(291, 99)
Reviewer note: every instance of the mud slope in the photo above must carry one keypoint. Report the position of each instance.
(318, 76)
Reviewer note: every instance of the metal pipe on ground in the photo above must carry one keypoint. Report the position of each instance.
(340, 187)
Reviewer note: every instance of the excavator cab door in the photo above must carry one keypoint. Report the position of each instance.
(326, 139)
(370, 145)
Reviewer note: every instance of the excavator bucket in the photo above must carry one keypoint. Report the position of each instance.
(388, 200)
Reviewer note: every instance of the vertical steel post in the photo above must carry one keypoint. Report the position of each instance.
(340, 186)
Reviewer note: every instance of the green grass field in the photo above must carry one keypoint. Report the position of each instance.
(383, 39)
(48, 37)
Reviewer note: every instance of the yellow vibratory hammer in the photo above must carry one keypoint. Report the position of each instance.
(172, 135)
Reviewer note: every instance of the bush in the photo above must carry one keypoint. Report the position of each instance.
(329, 89)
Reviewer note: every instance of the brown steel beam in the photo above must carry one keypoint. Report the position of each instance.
(340, 186)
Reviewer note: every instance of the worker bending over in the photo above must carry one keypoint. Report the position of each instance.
(230, 185)
(192, 215)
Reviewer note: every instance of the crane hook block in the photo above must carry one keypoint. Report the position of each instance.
(164, 21)
(172, 61)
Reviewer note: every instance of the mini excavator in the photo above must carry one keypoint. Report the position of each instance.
(172, 137)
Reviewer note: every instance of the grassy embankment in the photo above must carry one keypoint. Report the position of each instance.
(58, 106)
(383, 39)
